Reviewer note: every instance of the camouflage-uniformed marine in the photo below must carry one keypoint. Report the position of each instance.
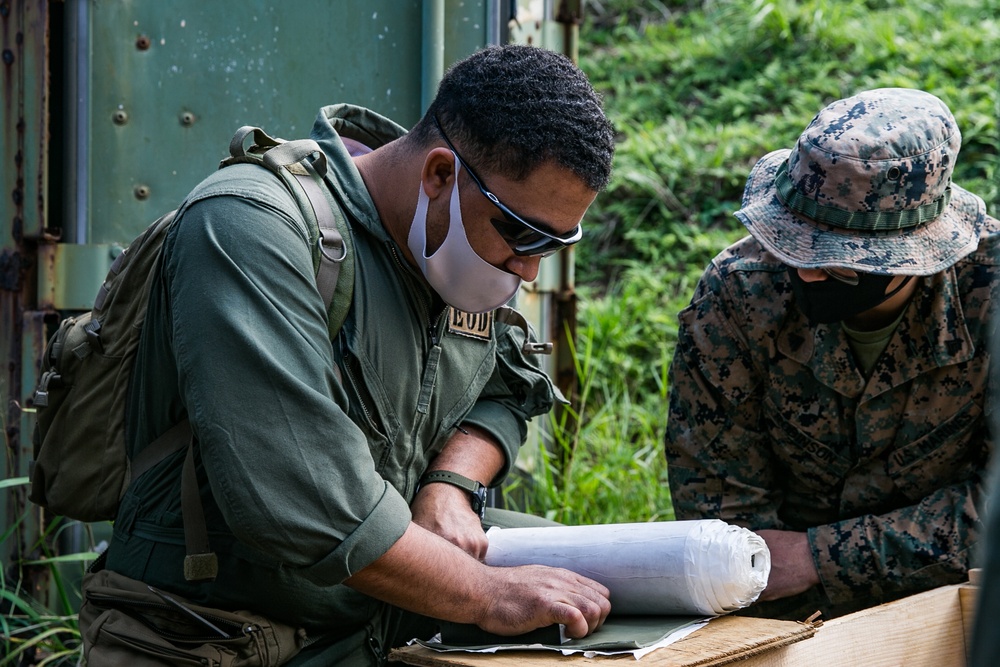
(777, 422)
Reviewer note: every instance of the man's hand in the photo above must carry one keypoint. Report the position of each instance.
(535, 596)
(447, 511)
(792, 567)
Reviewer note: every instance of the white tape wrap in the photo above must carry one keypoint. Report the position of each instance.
(705, 567)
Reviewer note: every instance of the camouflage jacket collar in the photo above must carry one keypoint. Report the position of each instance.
(932, 334)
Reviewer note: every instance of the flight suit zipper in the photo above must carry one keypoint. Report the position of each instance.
(430, 363)
(356, 385)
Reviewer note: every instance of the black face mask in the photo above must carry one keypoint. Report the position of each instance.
(828, 301)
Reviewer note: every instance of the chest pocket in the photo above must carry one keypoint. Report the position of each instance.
(955, 451)
(813, 471)
(407, 406)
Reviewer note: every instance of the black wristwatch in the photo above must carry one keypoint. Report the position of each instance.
(477, 490)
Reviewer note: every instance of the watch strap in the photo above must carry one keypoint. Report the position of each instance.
(473, 487)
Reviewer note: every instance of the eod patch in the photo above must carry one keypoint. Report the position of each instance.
(471, 325)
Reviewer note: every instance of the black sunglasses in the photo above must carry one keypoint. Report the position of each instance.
(525, 238)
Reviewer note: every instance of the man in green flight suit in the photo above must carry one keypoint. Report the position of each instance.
(830, 384)
(313, 455)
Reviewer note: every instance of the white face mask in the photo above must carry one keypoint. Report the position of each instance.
(462, 278)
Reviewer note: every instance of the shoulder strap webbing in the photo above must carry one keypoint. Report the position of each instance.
(335, 274)
(200, 563)
(303, 162)
(172, 441)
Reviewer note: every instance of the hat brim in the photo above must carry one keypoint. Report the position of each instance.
(806, 244)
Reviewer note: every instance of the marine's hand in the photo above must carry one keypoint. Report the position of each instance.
(446, 510)
(792, 567)
(535, 596)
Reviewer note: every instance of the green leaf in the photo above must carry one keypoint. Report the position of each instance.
(81, 557)
(14, 481)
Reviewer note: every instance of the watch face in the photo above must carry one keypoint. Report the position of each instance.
(479, 501)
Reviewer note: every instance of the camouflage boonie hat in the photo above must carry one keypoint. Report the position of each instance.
(867, 187)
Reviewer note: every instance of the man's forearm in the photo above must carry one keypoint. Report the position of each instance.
(446, 510)
(427, 575)
(792, 568)
(425, 563)
(470, 452)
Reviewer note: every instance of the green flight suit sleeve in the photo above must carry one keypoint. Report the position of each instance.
(517, 391)
(290, 472)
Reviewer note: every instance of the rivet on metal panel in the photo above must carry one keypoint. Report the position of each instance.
(8, 57)
(187, 118)
(120, 117)
(141, 191)
(142, 42)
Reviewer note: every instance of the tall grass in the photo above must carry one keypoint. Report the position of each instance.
(601, 463)
(698, 92)
(39, 626)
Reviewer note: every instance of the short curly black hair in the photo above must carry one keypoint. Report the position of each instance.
(509, 109)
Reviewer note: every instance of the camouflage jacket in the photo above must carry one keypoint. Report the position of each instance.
(772, 424)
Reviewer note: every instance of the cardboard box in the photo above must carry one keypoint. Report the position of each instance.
(930, 629)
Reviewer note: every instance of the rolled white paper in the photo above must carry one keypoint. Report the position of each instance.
(702, 567)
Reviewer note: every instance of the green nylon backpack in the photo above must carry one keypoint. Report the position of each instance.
(81, 468)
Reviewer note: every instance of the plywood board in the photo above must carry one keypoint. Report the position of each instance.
(924, 630)
(967, 597)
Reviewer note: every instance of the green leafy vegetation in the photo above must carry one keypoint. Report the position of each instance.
(698, 92)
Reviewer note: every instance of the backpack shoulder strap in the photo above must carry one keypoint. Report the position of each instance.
(335, 272)
(302, 166)
(172, 441)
